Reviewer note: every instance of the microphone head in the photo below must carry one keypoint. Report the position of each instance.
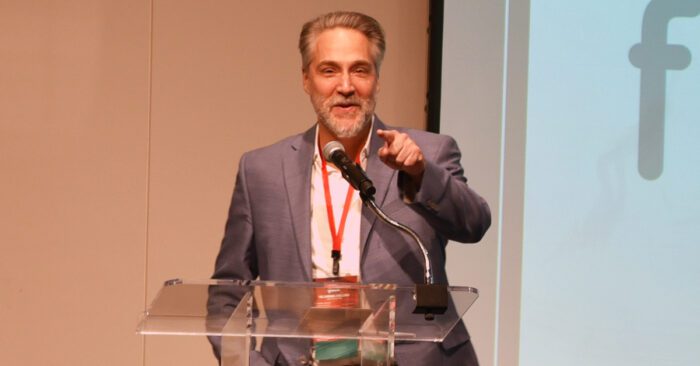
(331, 148)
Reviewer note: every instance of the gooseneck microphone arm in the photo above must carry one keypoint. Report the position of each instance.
(430, 298)
(369, 202)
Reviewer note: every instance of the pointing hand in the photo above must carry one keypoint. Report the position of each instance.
(400, 152)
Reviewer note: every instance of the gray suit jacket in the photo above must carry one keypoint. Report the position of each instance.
(268, 229)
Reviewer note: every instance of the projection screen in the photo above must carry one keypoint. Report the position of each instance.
(593, 110)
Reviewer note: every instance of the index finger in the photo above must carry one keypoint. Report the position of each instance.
(387, 135)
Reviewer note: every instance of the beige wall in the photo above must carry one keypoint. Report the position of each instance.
(121, 124)
(74, 162)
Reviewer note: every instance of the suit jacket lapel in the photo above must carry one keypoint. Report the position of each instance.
(381, 176)
(296, 166)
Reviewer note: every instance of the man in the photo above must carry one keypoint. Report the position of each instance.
(290, 210)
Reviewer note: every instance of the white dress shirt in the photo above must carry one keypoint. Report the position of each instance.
(321, 238)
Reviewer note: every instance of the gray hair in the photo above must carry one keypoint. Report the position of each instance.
(342, 19)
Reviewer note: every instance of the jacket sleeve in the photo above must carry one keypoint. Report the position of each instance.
(443, 197)
(237, 257)
(236, 261)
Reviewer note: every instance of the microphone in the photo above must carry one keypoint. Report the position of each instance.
(334, 152)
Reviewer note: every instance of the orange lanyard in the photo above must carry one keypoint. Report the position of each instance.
(337, 236)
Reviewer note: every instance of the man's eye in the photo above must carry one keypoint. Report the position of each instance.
(362, 71)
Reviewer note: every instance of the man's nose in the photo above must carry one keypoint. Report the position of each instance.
(345, 85)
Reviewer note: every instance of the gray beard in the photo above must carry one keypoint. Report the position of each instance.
(336, 128)
(346, 131)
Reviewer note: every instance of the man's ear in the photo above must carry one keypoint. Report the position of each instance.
(305, 80)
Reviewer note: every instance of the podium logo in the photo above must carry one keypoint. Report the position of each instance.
(653, 56)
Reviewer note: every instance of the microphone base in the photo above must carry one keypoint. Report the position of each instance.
(431, 300)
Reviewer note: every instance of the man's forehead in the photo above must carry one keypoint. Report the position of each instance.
(341, 45)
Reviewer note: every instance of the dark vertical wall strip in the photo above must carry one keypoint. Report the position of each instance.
(437, 8)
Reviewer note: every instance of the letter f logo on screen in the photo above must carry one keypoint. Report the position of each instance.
(653, 56)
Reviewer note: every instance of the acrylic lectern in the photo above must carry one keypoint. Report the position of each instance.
(369, 318)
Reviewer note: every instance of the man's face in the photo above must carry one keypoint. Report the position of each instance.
(342, 81)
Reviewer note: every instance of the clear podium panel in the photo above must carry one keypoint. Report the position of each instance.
(315, 310)
(236, 350)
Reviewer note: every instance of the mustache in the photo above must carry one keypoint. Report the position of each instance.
(342, 101)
